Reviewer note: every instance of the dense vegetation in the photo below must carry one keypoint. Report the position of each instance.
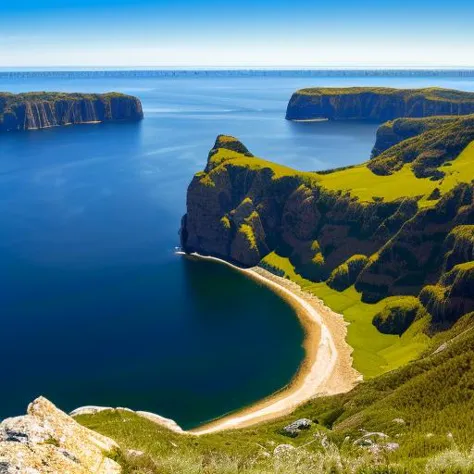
(435, 145)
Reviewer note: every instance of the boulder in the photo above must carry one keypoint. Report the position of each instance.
(48, 441)
(293, 429)
(283, 449)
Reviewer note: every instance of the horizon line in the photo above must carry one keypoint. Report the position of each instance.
(237, 67)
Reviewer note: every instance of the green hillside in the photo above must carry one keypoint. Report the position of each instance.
(390, 245)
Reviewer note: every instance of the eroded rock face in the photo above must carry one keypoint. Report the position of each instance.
(377, 103)
(241, 213)
(48, 441)
(241, 208)
(417, 255)
(33, 111)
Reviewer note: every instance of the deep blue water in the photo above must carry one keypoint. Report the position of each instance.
(95, 307)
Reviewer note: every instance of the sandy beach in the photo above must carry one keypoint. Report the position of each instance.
(327, 367)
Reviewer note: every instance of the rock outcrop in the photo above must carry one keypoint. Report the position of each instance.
(293, 429)
(241, 208)
(47, 441)
(36, 110)
(377, 103)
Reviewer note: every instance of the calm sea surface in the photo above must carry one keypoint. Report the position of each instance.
(95, 308)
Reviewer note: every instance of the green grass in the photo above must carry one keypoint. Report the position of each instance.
(374, 352)
(432, 93)
(405, 377)
(432, 396)
(359, 181)
(365, 185)
(224, 157)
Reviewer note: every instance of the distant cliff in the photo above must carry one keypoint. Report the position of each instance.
(394, 235)
(36, 110)
(377, 103)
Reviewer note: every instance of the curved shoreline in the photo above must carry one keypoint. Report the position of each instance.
(327, 366)
(325, 370)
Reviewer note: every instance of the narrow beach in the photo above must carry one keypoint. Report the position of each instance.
(327, 367)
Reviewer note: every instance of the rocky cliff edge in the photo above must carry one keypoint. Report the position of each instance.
(48, 441)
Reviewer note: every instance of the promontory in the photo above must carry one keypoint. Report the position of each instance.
(398, 229)
(37, 110)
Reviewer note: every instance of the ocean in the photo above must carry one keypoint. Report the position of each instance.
(95, 306)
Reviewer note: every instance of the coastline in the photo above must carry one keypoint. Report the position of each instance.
(327, 366)
(311, 120)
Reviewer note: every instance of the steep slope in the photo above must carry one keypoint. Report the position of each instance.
(395, 131)
(415, 419)
(377, 103)
(399, 235)
(36, 110)
(438, 144)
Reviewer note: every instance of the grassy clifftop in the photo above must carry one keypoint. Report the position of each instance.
(432, 93)
(377, 103)
(373, 246)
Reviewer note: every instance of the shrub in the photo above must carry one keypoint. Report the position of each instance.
(398, 315)
(345, 275)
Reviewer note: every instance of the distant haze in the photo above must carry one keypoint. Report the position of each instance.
(345, 33)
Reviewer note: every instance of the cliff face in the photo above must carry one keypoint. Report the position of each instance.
(38, 110)
(377, 103)
(47, 441)
(241, 208)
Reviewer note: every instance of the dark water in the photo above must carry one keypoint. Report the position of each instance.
(95, 308)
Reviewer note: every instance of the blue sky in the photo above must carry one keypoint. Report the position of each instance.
(204, 33)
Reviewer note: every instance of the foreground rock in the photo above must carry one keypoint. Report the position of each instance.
(48, 441)
(294, 429)
(36, 110)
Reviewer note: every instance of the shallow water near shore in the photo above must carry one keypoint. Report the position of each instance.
(95, 307)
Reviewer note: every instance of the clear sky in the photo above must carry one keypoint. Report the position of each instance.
(347, 33)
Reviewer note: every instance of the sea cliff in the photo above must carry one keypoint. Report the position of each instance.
(410, 237)
(377, 103)
(36, 110)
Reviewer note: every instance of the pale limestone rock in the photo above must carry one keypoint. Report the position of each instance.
(48, 441)
(160, 420)
(283, 449)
